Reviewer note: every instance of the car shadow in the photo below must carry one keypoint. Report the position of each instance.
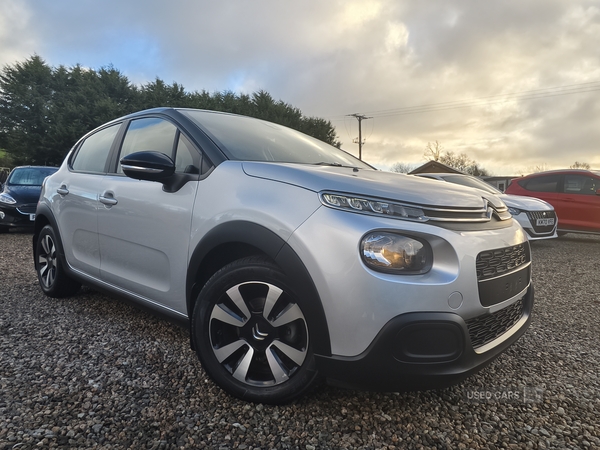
(577, 237)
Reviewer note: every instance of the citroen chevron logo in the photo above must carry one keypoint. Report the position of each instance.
(257, 334)
(489, 211)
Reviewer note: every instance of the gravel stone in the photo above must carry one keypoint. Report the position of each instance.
(94, 372)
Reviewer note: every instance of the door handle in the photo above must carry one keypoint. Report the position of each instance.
(62, 190)
(107, 199)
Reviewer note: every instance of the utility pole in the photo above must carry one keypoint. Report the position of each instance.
(360, 118)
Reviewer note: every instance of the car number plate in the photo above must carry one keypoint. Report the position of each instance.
(545, 222)
(32, 217)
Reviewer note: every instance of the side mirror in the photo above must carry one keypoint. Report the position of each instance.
(149, 166)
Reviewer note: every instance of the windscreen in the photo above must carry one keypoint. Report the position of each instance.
(244, 138)
(29, 176)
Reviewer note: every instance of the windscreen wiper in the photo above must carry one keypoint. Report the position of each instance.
(336, 164)
(323, 163)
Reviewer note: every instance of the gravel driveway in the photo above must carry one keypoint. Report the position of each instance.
(92, 372)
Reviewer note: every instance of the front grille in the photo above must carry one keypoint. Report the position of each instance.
(503, 273)
(494, 263)
(27, 209)
(483, 214)
(533, 217)
(486, 328)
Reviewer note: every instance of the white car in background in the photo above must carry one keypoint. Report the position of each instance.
(536, 216)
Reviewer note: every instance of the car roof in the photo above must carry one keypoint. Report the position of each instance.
(565, 171)
(35, 167)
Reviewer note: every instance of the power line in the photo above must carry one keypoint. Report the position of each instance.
(533, 94)
(467, 104)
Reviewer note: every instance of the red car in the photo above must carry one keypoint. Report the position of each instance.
(575, 195)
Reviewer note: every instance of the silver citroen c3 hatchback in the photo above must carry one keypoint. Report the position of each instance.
(290, 260)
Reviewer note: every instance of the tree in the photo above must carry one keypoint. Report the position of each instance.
(433, 152)
(580, 165)
(537, 168)
(44, 110)
(461, 162)
(400, 167)
(26, 97)
(158, 93)
(478, 171)
(84, 99)
(5, 166)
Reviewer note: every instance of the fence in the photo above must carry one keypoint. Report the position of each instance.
(4, 171)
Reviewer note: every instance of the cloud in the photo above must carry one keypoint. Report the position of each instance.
(340, 57)
(14, 39)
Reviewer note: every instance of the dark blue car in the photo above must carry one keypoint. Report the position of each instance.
(20, 194)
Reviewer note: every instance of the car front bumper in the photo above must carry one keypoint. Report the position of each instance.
(534, 232)
(17, 215)
(426, 350)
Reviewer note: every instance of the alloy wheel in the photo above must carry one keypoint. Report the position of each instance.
(258, 334)
(47, 261)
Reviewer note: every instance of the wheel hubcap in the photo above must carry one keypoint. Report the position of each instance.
(47, 261)
(258, 334)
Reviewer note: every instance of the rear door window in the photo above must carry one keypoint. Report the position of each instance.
(544, 183)
(93, 153)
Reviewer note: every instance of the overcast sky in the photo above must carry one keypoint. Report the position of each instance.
(514, 84)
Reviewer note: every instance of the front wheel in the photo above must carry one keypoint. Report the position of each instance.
(251, 334)
(52, 277)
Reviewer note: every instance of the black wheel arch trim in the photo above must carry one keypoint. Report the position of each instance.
(44, 212)
(250, 238)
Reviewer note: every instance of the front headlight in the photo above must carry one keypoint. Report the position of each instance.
(514, 211)
(373, 207)
(5, 198)
(393, 253)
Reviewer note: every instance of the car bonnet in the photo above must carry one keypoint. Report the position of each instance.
(23, 194)
(525, 203)
(371, 183)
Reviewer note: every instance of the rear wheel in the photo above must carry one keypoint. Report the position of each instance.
(251, 334)
(51, 274)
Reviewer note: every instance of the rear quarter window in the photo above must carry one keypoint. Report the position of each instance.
(581, 184)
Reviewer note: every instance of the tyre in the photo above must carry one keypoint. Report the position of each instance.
(251, 334)
(51, 274)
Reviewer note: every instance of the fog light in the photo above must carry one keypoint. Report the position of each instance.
(1, 215)
(394, 253)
